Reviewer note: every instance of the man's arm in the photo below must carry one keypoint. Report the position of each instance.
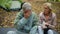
(18, 17)
(21, 23)
(35, 20)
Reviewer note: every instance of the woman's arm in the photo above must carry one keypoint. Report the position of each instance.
(54, 22)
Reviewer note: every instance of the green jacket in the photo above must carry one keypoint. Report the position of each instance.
(23, 24)
(7, 3)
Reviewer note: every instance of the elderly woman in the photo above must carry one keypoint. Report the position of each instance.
(47, 20)
(26, 19)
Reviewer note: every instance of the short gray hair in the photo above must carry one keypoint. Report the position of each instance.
(26, 6)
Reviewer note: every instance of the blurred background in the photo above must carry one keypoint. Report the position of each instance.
(9, 9)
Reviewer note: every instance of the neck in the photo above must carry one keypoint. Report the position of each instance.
(48, 14)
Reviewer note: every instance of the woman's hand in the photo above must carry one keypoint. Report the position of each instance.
(46, 24)
(43, 26)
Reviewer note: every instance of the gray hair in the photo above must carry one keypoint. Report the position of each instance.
(48, 4)
(26, 6)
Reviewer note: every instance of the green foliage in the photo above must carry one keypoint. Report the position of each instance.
(20, 1)
(53, 0)
(7, 3)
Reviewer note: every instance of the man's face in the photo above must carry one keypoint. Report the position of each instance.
(46, 9)
(27, 13)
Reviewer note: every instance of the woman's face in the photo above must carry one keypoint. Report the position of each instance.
(46, 9)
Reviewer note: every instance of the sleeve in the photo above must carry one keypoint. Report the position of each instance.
(54, 22)
(40, 19)
(35, 20)
(18, 17)
(21, 23)
(35, 23)
(33, 30)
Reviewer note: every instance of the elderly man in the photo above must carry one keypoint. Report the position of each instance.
(26, 19)
(47, 20)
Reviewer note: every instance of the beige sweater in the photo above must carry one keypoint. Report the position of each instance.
(51, 20)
